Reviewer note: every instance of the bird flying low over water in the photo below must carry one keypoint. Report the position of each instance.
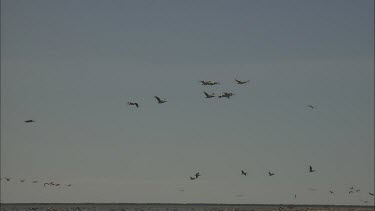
(209, 95)
(311, 169)
(69, 185)
(226, 94)
(29, 121)
(371, 194)
(270, 174)
(160, 100)
(210, 83)
(131, 103)
(331, 192)
(243, 173)
(241, 82)
(7, 179)
(192, 178)
(312, 107)
(197, 175)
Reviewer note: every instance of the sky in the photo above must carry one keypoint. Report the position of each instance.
(73, 65)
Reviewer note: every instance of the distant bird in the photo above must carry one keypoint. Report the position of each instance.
(241, 82)
(160, 100)
(351, 188)
(312, 107)
(243, 173)
(131, 103)
(331, 192)
(48, 183)
(226, 94)
(197, 175)
(371, 194)
(350, 192)
(311, 169)
(270, 174)
(295, 196)
(29, 121)
(209, 95)
(7, 179)
(210, 83)
(57, 184)
(34, 181)
(357, 190)
(192, 178)
(69, 185)
(22, 180)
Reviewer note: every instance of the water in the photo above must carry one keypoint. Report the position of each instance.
(175, 207)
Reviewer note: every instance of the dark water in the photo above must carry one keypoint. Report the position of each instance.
(174, 207)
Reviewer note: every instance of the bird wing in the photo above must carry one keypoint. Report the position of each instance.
(157, 98)
(205, 93)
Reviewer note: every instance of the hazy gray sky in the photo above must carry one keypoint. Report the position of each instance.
(73, 65)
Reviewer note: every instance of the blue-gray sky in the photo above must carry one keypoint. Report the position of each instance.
(73, 65)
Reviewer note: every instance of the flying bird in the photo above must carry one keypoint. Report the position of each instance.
(209, 83)
(197, 175)
(226, 94)
(131, 103)
(243, 173)
(270, 174)
(312, 107)
(311, 169)
(209, 95)
(241, 82)
(357, 190)
(160, 100)
(331, 192)
(7, 179)
(29, 121)
(371, 194)
(192, 178)
(69, 185)
(350, 192)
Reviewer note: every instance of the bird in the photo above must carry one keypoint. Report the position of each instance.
(22, 180)
(209, 95)
(192, 178)
(331, 192)
(210, 83)
(243, 173)
(357, 190)
(351, 188)
(270, 174)
(312, 107)
(241, 82)
(29, 121)
(7, 179)
(295, 196)
(160, 100)
(226, 94)
(311, 169)
(371, 194)
(69, 185)
(197, 175)
(131, 103)
(350, 192)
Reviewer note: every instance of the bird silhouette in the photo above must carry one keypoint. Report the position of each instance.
(371, 194)
(29, 121)
(226, 94)
(312, 107)
(160, 100)
(131, 103)
(209, 95)
(22, 180)
(210, 83)
(192, 178)
(331, 192)
(311, 169)
(241, 82)
(197, 175)
(270, 174)
(243, 173)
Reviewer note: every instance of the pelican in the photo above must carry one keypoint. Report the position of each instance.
(209, 95)
(241, 82)
(371, 194)
(226, 94)
(131, 103)
(192, 178)
(210, 83)
(270, 174)
(311, 169)
(160, 100)
(243, 173)
(197, 175)
(29, 121)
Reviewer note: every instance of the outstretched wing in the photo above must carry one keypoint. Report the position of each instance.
(158, 98)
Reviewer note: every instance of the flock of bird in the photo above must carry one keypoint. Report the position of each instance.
(159, 100)
(8, 179)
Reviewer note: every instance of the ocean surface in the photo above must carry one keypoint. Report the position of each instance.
(175, 207)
